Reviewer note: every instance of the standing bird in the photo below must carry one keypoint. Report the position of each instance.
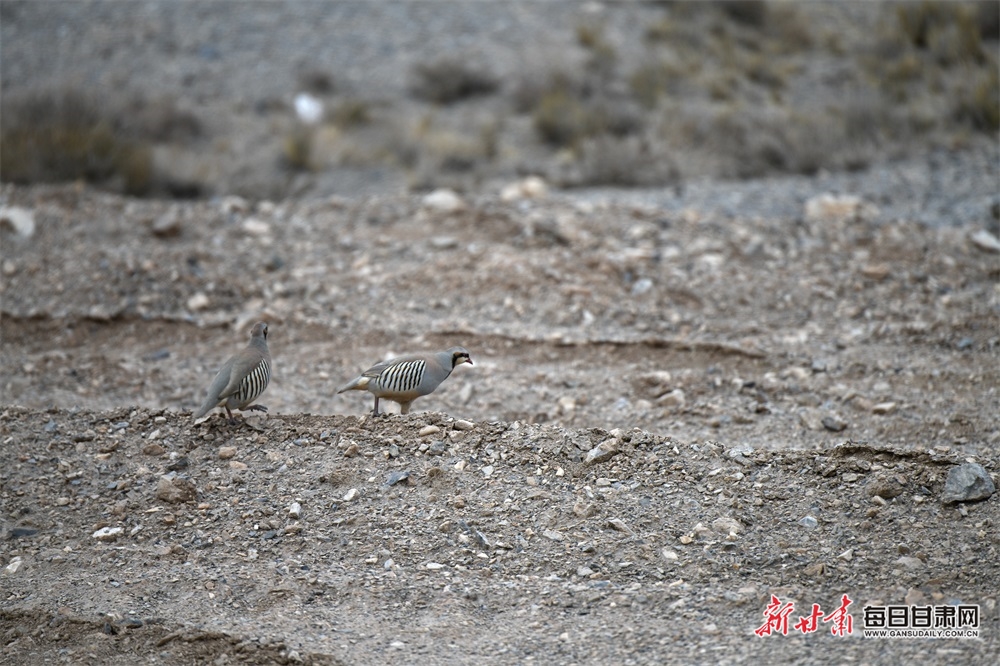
(242, 378)
(406, 378)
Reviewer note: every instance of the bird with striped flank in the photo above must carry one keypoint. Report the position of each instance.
(406, 378)
(242, 379)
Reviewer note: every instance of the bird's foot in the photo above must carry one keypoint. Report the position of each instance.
(256, 408)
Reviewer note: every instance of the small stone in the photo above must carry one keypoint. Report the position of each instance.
(834, 423)
(237, 466)
(619, 524)
(985, 241)
(227, 452)
(199, 301)
(444, 242)
(434, 566)
(847, 555)
(350, 494)
(567, 404)
(584, 571)
(108, 533)
(686, 539)
(294, 510)
(838, 208)
(875, 271)
(396, 477)
(154, 449)
(884, 408)
(808, 522)
(531, 187)
(675, 398)
(488, 471)
(20, 220)
(444, 200)
(726, 525)
(13, 566)
(254, 227)
(584, 509)
(968, 482)
(910, 562)
(463, 425)
(553, 535)
(175, 489)
(669, 555)
(849, 477)
(167, 225)
(428, 430)
(352, 450)
(602, 452)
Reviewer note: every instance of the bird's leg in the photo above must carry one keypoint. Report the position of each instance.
(404, 407)
(375, 411)
(232, 419)
(255, 408)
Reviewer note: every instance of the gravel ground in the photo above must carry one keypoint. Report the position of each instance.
(683, 401)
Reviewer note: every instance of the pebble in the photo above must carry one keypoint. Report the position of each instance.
(434, 566)
(553, 535)
(675, 398)
(428, 430)
(847, 555)
(199, 301)
(255, 227)
(985, 241)
(910, 562)
(619, 524)
(21, 220)
(154, 449)
(602, 452)
(294, 510)
(350, 494)
(108, 533)
(669, 555)
(488, 471)
(237, 466)
(884, 408)
(463, 425)
(396, 477)
(13, 566)
(167, 225)
(969, 482)
(808, 522)
(175, 489)
(726, 525)
(443, 200)
(834, 423)
(227, 452)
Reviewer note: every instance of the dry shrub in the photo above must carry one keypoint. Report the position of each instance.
(66, 135)
(451, 79)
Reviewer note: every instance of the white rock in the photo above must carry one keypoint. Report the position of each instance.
(20, 220)
(428, 430)
(108, 533)
(198, 302)
(434, 566)
(12, 568)
(350, 494)
(675, 398)
(669, 555)
(294, 510)
(986, 241)
(256, 227)
(839, 207)
(444, 200)
(463, 425)
(309, 109)
(531, 187)
(553, 535)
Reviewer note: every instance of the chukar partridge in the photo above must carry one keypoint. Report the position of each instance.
(406, 378)
(242, 378)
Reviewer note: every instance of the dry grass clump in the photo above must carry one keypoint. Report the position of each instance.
(52, 136)
(451, 79)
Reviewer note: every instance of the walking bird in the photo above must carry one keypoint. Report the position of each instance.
(406, 378)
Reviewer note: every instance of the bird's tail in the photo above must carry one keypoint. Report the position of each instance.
(356, 384)
(205, 408)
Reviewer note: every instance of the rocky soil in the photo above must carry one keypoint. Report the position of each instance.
(683, 401)
(673, 414)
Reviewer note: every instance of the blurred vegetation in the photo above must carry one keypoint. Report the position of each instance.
(744, 89)
(66, 135)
